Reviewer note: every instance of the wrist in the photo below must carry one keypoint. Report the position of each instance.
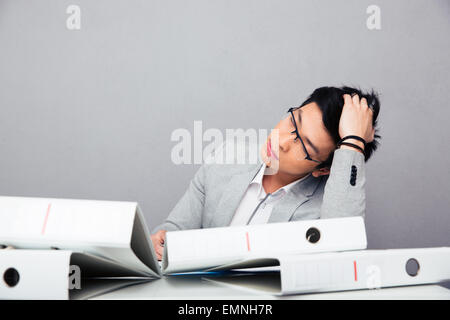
(350, 148)
(354, 141)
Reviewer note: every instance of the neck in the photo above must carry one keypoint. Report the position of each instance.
(272, 183)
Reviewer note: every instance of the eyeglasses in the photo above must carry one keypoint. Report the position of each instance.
(297, 135)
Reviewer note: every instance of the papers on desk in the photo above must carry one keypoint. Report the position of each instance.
(340, 271)
(202, 249)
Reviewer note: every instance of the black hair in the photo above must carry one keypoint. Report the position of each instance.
(331, 101)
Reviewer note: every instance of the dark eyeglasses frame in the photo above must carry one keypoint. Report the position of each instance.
(308, 157)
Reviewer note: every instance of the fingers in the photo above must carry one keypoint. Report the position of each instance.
(159, 251)
(158, 240)
(352, 100)
(162, 236)
(347, 100)
(366, 108)
(365, 105)
(356, 119)
(355, 100)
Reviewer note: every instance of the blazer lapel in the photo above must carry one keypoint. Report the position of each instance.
(232, 196)
(299, 194)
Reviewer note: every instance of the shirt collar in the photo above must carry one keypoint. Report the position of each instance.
(257, 180)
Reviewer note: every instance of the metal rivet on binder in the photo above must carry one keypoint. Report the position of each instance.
(412, 267)
(11, 277)
(313, 235)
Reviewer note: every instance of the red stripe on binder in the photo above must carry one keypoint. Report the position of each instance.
(356, 271)
(46, 218)
(248, 241)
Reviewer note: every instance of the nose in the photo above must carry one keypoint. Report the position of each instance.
(284, 142)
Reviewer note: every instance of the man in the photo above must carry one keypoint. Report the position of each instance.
(323, 145)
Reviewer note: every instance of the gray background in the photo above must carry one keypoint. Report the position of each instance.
(89, 113)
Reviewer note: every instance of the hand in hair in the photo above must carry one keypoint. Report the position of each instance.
(356, 119)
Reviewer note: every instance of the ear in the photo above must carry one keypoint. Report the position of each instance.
(321, 172)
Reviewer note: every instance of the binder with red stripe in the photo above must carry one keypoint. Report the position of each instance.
(341, 271)
(196, 250)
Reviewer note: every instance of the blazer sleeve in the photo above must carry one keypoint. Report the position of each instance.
(344, 193)
(188, 212)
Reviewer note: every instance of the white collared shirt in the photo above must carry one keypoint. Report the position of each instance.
(256, 195)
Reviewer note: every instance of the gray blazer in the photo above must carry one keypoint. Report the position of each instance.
(216, 190)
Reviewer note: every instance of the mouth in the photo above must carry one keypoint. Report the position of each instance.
(270, 152)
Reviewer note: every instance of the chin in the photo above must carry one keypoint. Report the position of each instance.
(293, 171)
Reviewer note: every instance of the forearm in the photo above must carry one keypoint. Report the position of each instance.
(167, 226)
(344, 193)
(187, 213)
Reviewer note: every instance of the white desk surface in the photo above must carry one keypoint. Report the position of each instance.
(195, 288)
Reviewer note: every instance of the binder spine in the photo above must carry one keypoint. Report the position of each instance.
(371, 269)
(32, 274)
